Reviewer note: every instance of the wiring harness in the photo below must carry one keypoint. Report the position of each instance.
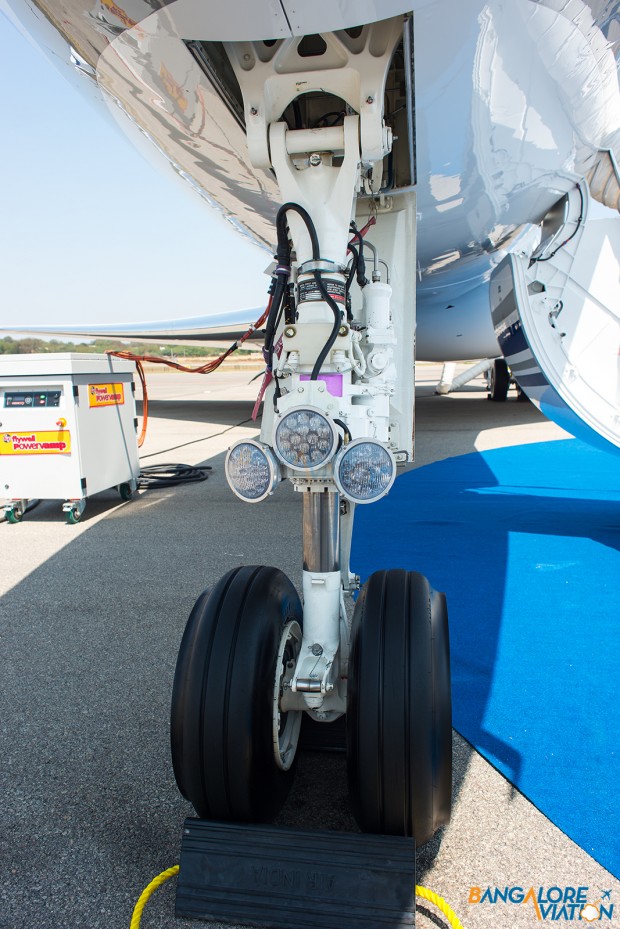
(280, 300)
(281, 276)
(207, 368)
(280, 297)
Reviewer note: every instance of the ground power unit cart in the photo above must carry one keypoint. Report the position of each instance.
(67, 430)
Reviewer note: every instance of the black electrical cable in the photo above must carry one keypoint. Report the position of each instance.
(354, 264)
(283, 270)
(274, 311)
(362, 280)
(571, 236)
(349, 281)
(289, 305)
(334, 115)
(284, 249)
(283, 256)
(318, 364)
(277, 392)
(169, 475)
(345, 428)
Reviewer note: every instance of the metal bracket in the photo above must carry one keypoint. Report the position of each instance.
(351, 69)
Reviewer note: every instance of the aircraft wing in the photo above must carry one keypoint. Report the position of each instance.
(222, 327)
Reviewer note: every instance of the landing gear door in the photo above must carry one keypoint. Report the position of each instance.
(557, 319)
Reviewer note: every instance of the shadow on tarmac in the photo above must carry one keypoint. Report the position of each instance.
(91, 811)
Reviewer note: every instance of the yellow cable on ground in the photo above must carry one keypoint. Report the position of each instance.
(146, 893)
(439, 902)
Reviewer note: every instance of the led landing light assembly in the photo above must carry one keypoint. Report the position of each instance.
(364, 470)
(305, 439)
(251, 470)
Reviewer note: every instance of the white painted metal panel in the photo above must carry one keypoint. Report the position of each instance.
(101, 445)
(558, 324)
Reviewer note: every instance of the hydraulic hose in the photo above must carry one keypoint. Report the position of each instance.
(283, 257)
(354, 264)
(318, 364)
(283, 253)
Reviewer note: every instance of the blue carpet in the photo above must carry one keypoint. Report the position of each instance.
(525, 542)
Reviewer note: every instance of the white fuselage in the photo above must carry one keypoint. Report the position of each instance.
(511, 100)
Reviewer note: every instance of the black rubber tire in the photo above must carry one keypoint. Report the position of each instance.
(399, 715)
(222, 698)
(499, 381)
(125, 491)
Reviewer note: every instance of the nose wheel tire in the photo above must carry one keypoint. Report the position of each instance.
(399, 716)
(231, 666)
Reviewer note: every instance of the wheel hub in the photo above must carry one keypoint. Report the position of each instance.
(286, 725)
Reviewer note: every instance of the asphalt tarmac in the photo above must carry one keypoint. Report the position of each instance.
(91, 617)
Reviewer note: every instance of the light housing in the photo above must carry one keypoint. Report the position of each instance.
(251, 470)
(364, 470)
(305, 439)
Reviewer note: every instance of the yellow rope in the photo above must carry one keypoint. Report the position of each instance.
(146, 893)
(441, 903)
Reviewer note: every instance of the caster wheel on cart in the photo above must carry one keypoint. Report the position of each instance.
(73, 515)
(125, 491)
(232, 750)
(399, 715)
(14, 515)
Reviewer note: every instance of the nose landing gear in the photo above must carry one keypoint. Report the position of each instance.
(337, 417)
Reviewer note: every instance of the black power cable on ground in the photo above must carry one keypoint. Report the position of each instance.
(169, 475)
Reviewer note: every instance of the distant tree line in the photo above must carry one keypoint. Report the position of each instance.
(29, 346)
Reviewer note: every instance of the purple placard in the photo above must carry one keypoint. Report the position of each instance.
(332, 381)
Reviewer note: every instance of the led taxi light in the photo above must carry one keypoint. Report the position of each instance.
(305, 439)
(251, 470)
(364, 470)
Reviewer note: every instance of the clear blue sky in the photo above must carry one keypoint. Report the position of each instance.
(91, 231)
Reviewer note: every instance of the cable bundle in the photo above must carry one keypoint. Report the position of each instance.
(169, 475)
